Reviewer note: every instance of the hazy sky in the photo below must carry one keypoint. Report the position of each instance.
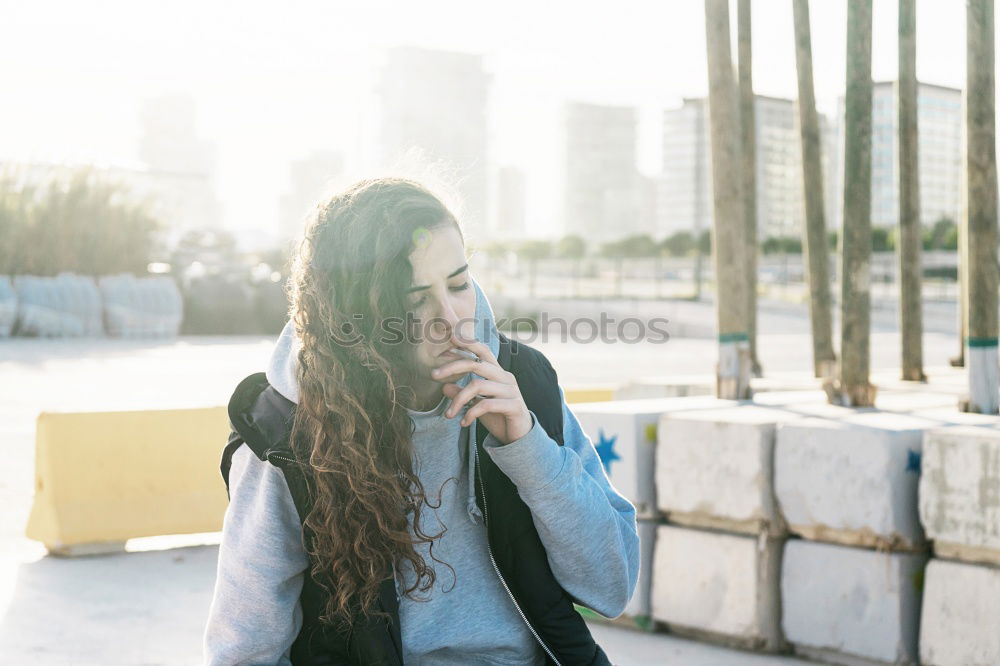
(275, 81)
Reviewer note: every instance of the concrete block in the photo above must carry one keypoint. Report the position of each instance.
(105, 477)
(960, 624)
(624, 433)
(639, 605)
(783, 398)
(715, 468)
(718, 586)
(909, 401)
(960, 492)
(842, 602)
(674, 386)
(851, 481)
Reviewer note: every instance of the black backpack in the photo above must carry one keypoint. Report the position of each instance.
(262, 418)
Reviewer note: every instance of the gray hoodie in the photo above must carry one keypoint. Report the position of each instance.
(587, 527)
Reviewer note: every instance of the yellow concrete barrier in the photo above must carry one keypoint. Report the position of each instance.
(589, 394)
(104, 477)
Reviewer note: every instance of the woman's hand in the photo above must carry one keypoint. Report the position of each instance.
(493, 393)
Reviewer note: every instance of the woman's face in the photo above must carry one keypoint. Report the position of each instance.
(442, 297)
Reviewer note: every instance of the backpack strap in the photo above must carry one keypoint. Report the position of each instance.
(538, 382)
(261, 418)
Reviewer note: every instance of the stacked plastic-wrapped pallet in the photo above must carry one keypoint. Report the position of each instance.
(67, 305)
(149, 307)
(80, 295)
(8, 306)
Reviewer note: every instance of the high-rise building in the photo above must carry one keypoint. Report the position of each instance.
(939, 127)
(309, 179)
(436, 102)
(602, 190)
(511, 200)
(686, 180)
(180, 165)
(686, 187)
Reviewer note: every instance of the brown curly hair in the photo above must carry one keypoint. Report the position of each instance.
(350, 429)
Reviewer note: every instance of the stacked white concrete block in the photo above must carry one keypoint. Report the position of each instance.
(715, 468)
(639, 605)
(840, 602)
(960, 510)
(717, 566)
(961, 615)
(853, 482)
(631, 425)
(718, 586)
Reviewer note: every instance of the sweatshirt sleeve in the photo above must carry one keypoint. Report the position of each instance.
(588, 529)
(255, 613)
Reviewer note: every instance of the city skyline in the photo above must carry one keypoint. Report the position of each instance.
(272, 92)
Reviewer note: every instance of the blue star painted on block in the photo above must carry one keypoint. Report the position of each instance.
(606, 449)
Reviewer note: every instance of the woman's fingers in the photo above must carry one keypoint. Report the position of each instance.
(477, 387)
(506, 406)
(465, 365)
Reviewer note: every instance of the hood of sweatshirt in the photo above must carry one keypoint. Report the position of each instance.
(282, 372)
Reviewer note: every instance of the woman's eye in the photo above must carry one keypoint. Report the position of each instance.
(423, 299)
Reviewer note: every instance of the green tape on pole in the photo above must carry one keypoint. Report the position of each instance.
(734, 337)
(981, 342)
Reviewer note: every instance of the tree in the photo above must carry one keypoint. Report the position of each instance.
(748, 130)
(981, 199)
(679, 244)
(853, 388)
(883, 239)
(734, 367)
(814, 231)
(533, 251)
(782, 245)
(496, 251)
(85, 223)
(573, 247)
(942, 235)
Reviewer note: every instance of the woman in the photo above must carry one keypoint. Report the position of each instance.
(389, 376)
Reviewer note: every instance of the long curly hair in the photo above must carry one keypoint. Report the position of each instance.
(355, 373)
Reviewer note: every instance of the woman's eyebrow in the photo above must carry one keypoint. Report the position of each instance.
(427, 286)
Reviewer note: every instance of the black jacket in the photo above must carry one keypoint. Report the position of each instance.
(261, 417)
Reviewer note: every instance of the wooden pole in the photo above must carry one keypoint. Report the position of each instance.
(748, 131)
(733, 371)
(910, 317)
(854, 389)
(981, 236)
(815, 239)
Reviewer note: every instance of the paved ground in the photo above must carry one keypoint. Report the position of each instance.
(149, 607)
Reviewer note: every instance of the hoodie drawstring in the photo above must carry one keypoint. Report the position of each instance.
(475, 515)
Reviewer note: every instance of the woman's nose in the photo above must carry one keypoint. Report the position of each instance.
(452, 318)
(448, 319)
